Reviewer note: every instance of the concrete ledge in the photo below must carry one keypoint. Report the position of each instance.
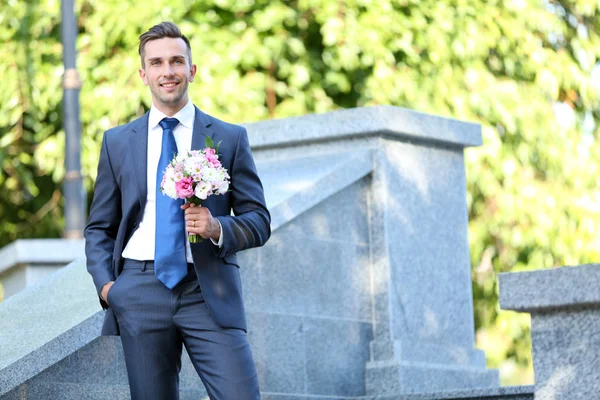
(54, 319)
(41, 251)
(105, 392)
(401, 123)
(550, 289)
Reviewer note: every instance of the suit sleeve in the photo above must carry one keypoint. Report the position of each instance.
(251, 224)
(103, 223)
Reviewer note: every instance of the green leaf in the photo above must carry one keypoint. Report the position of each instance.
(209, 142)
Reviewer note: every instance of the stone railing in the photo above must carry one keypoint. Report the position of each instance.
(564, 304)
(363, 289)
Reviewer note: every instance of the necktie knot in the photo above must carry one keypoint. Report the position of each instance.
(168, 123)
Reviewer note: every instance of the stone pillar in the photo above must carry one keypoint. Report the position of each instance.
(564, 304)
(424, 331)
(422, 303)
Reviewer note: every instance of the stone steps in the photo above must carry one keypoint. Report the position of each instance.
(70, 391)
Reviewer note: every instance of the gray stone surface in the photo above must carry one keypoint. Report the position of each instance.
(399, 123)
(565, 327)
(121, 392)
(402, 377)
(566, 354)
(296, 185)
(41, 251)
(562, 287)
(25, 262)
(40, 326)
(430, 266)
(427, 352)
(422, 282)
(329, 275)
(95, 363)
(279, 349)
(335, 356)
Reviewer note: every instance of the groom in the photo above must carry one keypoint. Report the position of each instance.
(159, 291)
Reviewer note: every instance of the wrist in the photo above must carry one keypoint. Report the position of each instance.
(217, 229)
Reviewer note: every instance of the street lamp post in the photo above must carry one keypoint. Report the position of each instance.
(74, 195)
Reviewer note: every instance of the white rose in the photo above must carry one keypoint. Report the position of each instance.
(202, 190)
(211, 175)
(223, 187)
(170, 189)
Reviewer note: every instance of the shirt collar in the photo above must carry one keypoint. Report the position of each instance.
(185, 116)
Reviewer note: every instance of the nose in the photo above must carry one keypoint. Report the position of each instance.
(168, 70)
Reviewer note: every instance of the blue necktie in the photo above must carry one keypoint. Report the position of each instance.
(170, 264)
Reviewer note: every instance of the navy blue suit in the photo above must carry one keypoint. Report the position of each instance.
(118, 205)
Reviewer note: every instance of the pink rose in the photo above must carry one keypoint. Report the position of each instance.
(184, 188)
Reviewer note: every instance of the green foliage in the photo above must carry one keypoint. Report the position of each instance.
(521, 68)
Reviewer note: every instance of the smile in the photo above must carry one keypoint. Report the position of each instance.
(169, 84)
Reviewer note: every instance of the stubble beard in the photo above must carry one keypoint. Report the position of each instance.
(172, 99)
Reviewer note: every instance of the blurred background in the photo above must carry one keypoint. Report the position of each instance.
(528, 71)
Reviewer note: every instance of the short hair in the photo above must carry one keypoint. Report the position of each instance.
(162, 30)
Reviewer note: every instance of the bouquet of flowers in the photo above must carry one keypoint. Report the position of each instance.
(194, 176)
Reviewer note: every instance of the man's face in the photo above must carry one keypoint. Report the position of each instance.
(167, 71)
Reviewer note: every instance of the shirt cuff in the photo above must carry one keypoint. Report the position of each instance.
(220, 242)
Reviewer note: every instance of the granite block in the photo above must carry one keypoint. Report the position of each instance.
(35, 317)
(430, 297)
(389, 378)
(424, 194)
(398, 123)
(286, 177)
(48, 354)
(73, 391)
(343, 216)
(563, 287)
(427, 352)
(310, 277)
(94, 363)
(18, 393)
(336, 354)
(497, 393)
(292, 191)
(565, 353)
(44, 251)
(278, 347)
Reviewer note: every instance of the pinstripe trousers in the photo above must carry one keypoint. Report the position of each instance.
(156, 321)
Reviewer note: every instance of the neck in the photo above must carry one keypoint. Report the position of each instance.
(170, 110)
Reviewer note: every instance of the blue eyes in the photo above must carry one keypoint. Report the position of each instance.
(154, 63)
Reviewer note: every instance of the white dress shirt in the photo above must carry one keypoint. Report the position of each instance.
(141, 245)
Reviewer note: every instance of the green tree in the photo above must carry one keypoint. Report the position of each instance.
(521, 68)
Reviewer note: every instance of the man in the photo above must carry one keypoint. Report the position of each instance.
(161, 292)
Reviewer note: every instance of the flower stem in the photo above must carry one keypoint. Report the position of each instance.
(194, 238)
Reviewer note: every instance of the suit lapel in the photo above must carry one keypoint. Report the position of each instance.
(201, 130)
(138, 148)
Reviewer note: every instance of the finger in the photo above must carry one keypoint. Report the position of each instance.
(185, 206)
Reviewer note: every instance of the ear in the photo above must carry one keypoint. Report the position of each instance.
(143, 76)
(193, 70)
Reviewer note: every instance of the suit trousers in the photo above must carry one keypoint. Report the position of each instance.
(156, 321)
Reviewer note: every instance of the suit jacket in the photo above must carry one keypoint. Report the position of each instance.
(120, 197)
